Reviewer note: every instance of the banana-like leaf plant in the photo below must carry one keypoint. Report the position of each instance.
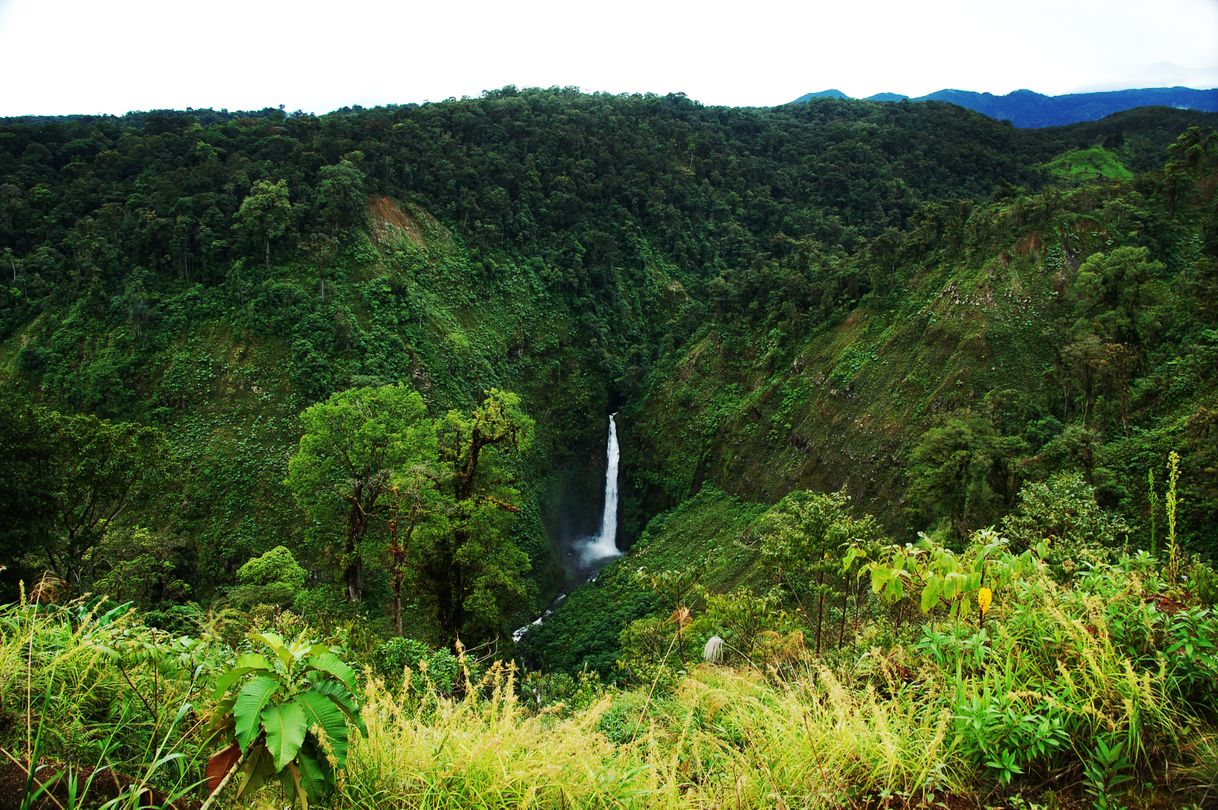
(286, 713)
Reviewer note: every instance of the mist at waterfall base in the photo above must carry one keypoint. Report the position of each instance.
(586, 555)
(590, 553)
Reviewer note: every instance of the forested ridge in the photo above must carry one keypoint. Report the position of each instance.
(348, 375)
(1024, 108)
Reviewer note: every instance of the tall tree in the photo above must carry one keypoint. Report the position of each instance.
(265, 214)
(474, 571)
(963, 470)
(418, 515)
(352, 445)
(340, 194)
(99, 468)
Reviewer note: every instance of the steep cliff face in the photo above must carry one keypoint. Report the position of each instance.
(1074, 315)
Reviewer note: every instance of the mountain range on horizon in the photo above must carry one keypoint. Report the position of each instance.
(1027, 109)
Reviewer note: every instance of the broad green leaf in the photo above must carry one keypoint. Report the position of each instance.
(246, 663)
(342, 698)
(315, 775)
(329, 662)
(113, 613)
(321, 712)
(285, 732)
(256, 770)
(880, 575)
(930, 594)
(251, 700)
(277, 646)
(954, 584)
(894, 590)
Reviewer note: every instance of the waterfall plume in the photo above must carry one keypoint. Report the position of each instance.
(603, 545)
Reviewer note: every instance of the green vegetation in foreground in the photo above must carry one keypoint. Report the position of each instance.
(949, 676)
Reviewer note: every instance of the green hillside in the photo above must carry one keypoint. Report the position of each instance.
(1002, 317)
(344, 379)
(1095, 163)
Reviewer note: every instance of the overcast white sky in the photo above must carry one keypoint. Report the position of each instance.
(112, 56)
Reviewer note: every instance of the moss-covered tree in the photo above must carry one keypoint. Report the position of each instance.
(351, 447)
(474, 571)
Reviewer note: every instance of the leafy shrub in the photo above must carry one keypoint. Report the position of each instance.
(1203, 582)
(624, 718)
(182, 620)
(430, 669)
(561, 691)
(741, 618)
(288, 719)
(654, 650)
(442, 671)
(954, 647)
(939, 578)
(1064, 512)
(394, 655)
(274, 578)
(1192, 656)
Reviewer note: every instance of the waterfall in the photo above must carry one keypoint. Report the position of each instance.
(603, 545)
(594, 551)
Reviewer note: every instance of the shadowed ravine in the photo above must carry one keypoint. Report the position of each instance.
(589, 555)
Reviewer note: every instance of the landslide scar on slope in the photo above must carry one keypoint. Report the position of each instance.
(387, 217)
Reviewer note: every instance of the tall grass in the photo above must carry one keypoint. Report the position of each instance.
(722, 738)
(745, 740)
(1066, 684)
(96, 709)
(485, 750)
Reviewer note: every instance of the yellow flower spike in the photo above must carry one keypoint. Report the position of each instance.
(984, 597)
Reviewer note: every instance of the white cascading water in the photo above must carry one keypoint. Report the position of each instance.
(604, 544)
(593, 551)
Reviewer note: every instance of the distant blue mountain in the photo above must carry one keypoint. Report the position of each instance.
(1027, 109)
(822, 94)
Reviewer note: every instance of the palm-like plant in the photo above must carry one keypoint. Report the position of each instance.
(286, 715)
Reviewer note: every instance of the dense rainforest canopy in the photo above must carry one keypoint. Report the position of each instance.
(353, 371)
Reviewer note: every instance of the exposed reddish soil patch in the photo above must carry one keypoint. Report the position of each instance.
(386, 215)
(1165, 603)
(1028, 243)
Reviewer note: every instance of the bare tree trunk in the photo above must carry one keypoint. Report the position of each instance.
(353, 574)
(397, 605)
(841, 636)
(820, 608)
